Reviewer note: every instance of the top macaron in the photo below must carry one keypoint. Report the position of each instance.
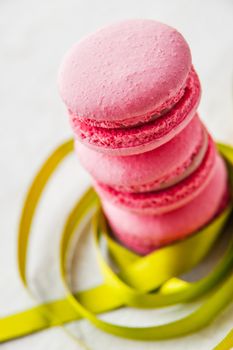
(129, 87)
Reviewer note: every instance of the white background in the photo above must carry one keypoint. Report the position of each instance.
(34, 35)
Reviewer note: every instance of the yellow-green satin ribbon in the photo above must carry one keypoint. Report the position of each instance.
(123, 289)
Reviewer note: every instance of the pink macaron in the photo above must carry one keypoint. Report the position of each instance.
(165, 200)
(144, 233)
(129, 87)
(154, 170)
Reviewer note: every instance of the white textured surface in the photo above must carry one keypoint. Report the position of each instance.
(33, 37)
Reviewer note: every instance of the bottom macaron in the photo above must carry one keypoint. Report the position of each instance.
(144, 233)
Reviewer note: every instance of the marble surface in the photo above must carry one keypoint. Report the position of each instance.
(34, 36)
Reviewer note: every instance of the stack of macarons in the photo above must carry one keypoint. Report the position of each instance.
(132, 96)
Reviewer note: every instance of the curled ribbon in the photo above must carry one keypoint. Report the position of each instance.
(138, 283)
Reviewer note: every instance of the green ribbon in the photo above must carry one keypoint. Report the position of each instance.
(144, 282)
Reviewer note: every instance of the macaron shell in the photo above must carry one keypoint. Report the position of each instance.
(144, 233)
(157, 202)
(125, 70)
(150, 170)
